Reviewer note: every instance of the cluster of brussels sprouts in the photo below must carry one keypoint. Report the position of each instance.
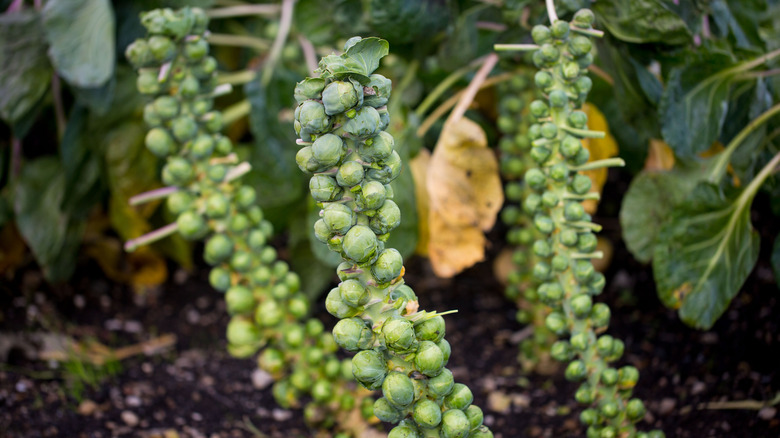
(261, 292)
(340, 119)
(564, 271)
(513, 123)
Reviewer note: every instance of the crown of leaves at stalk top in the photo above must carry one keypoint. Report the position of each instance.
(360, 58)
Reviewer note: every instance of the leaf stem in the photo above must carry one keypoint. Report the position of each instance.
(309, 54)
(285, 21)
(719, 169)
(471, 90)
(250, 42)
(599, 164)
(243, 10)
(237, 172)
(551, 11)
(515, 47)
(152, 195)
(583, 133)
(161, 233)
(237, 78)
(236, 111)
(444, 85)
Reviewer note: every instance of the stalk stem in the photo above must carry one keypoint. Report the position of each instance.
(276, 50)
(161, 233)
(551, 11)
(152, 195)
(243, 10)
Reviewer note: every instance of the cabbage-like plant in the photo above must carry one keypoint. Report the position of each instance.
(341, 120)
(201, 171)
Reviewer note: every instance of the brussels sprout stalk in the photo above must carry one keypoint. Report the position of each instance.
(341, 120)
(269, 311)
(565, 243)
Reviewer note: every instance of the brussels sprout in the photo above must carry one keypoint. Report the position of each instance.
(219, 279)
(338, 217)
(306, 161)
(460, 397)
(271, 360)
(385, 411)
(313, 119)
(179, 202)
(241, 261)
(184, 128)
(166, 107)
(301, 380)
(403, 292)
(280, 291)
(217, 172)
(191, 225)
(365, 124)
(241, 331)
(138, 53)
(442, 384)
(353, 293)
(293, 335)
(628, 376)
(369, 368)
(404, 431)
(159, 142)
(541, 34)
(202, 146)
(544, 224)
(429, 359)
(398, 334)
(371, 195)
(328, 150)
(391, 168)
(431, 329)
(398, 389)
(324, 188)
(322, 391)
(178, 172)
(475, 416)
(581, 305)
(549, 53)
(386, 219)
(321, 231)
(589, 416)
(609, 376)
(336, 306)
(377, 92)
(298, 306)
(377, 148)
(352, 334)
(269, 313)
(147, 83)
(189, 87)
(539, 109)
(455, 424)
(309, 88)
(556, 322)
(585, 394)
(427, 413)
(162, 48)
(482, 432)
(388, 265)
(360, 243)
(218, 248)
(339, 96)
(576, 370)
(350, 173)
(580, 341)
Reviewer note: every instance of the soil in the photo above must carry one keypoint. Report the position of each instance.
(694, 383)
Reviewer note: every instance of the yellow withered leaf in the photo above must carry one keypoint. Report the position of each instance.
(659, 156)
(465, 195)
(419, 168)
(599, 148)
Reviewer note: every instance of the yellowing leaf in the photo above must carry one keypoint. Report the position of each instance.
(599, 148)
(419, 168)
(659, 156)
(465, 193)
(503, 265)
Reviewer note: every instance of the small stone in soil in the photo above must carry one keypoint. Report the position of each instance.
(281, 415)
(130, 418)
(261, 379)
(767, 412)
(667, 406)
(87, 407)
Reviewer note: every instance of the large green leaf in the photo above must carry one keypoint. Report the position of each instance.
(81, 39)
(52, 235)
(642, 21)
(705, 253)
(405, 21)
(81, 151)
(25, 72)
(695, 102)
(360, 60)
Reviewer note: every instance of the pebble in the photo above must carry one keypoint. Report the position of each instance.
(281, 414)
(130, 418)
(261, 379)
(767, 412)
(87, 407)
(133, 401)
(667, 406)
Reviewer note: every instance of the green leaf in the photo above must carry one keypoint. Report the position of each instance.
(776, 260)
(81, 154)
(642, 21)
(52, 235)
(738, 20)
(695, 102)
(81, 39)
(406, 21)
(705, 253)
(25, 72)
(360, 60)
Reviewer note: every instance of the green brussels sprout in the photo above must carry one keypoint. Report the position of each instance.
(241, 261)
(371, 196)
(583, 18)
(205, 68)
(441, 385)
(159, 142)
(549, 53)
(589, 417)
(570, 146)
(561, 351)
(217, 172)
(635, 409)
(162, 48)
(339, 96)
(218, 248)
(324, 188)
(196, 50)
(609, 376)
(536, 179)
(261, 275)
(560, 29)
(306, 161)
(241, 331)
(581, 158)
(398, 335)
(369, 368)
(189, 87)
(587, 242)
(455, 424)
(360, 243)
(350, 173)
(309, 88)
(391, 168)
(138, 53)
(541, 34)
(377, 92)
(177, 171)
(386, 219)
(301, 380)
(397, 388)
(583, 84)
(202, 146)
(427, 413)
(191, 225)
(388, 265)
(298, 306)
(166, 107)
(353, 293)
(539, 109)
(322, 391)
(558, 98)
(321, 231)
(212, 121)
(429, 359)
(581, 305)
(219, 279)
(147, 83)
(280, 291)
(385, 411)
(269, 313)
(570, 70)
(609, 409)
(482, 432)
(352, 334)
(336, 306)
(573, 211)
(377, 148)
(542, 248)
(600, 315)
(365, 124)
(556, 322)
(404, 431)
(580, 46)
(628, 376)
(184, 128)
(585, 394)
(576, 370)
(459, 398)
(475, 416)
(239, 299)
(179, 202)
(328, 150)
(580, 341)
(285, 395)
(550, 293)
(544, 224)
(338, 218)
(294, 335)
(271, 360)
(314, 327)
(312, 118)
(543, 80)
(431, 329)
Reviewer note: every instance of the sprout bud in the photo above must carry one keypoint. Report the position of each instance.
(431, 329)
(427, 413)
(353, 293)
(541, 34)
(385, 411)
(218, 248)
(429, 359)
(219, 279)
(191, 225)
(446, 349)
(386, 219)
(388, 265)
(159, 142)
(398, 389)
(579, 341)
(369, 368)
(570, 146)
(241, 331)
(338, 217)
(322, 231)
(404, 431)
(540, 154)
(559, 263)
(399, 335)
(581, 305)
(475, 416)
(459, 398)
(635, 409)
(556, 322)
(312, 118)
(324, 188)
(580, 184)
(550, 199)
(583, 269)
(585, 394)
(609, 376)
(350, 173)
(309, 88)
(391, 168)
(544, 224)
(609, 409)
(371, 196)
(628, 376)
(560, 29)
(184, 128)
(600, 315)
(365, 124)
(578, 119)
(561, 351)
(328, 150)
(442, 384)
(532, 204)
(271, 360)
(454, 424)
(539, 109)
(536, 179)
(587, 242)
(336, 306)
(558, 98)
(379, 148)
(360, 243)
(339, 96)
(352, 334)
(269, 313)
(380, 91)
(162, 48)
(576, 370)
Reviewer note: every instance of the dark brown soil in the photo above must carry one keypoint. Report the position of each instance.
(197, 390)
